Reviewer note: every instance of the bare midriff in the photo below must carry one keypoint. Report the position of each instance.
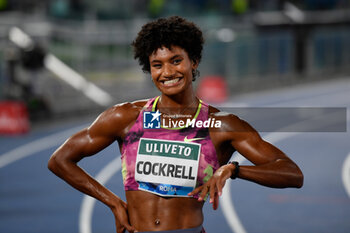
(150, 212)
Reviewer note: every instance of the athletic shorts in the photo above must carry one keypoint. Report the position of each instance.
(199, 229)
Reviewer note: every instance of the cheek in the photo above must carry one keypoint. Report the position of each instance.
(189, 71)
(154, 73)
(154, 79)
(188, 68)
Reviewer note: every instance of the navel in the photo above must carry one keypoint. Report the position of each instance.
(157, 221)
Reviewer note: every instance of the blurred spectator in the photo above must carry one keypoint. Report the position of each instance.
(59, 8)
(3, 5)
(239, 6)
(155, 7)
(73, 9)
(321, 4)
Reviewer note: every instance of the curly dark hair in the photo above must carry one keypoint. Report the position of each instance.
(167, 32)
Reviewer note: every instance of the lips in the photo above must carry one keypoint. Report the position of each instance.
(172, 82)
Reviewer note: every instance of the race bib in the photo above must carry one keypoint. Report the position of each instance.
(167, 168)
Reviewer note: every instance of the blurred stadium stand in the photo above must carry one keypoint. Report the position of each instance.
(252, 44)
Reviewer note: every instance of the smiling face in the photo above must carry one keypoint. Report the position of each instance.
(171, 70)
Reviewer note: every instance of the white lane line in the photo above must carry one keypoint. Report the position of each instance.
(346, 174)
(228, 208)
(88, 203)
(36, 146)
(227, 205)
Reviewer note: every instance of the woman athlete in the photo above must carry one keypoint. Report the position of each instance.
(168, 172)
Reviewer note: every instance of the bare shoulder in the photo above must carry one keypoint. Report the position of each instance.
(129, 110)
(115, 120)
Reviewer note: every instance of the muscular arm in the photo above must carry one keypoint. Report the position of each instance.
(64, 163)
(111, 125)
(271, 168)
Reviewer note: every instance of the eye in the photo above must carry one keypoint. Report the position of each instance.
(177, 61)
(157, 66)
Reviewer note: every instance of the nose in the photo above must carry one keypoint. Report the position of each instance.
(168, 71)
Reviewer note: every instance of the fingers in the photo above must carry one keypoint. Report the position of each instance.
(122, 219)
(204, 192)
(214, 187)
(124, 222)
(196, 191)
(216, 202)
(212, 191)
(120, 229)
(122, 226)
(219, 186)
(208, 187)
(130, 228)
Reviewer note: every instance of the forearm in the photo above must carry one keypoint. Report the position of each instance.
(71, 173)
(278, 174)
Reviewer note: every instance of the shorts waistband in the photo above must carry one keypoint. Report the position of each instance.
(188, 230)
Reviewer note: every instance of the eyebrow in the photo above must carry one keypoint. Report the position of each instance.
(172, 58)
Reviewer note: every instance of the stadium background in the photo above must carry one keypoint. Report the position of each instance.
(265, 53)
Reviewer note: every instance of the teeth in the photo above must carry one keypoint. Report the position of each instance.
(171, 81)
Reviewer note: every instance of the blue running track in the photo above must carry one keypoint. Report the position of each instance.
(32, 200)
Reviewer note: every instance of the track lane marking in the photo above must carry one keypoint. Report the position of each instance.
(228, 208)
(36, 146)
(88, 203)
(346, 174)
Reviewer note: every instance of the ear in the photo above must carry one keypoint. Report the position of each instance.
(195, 64)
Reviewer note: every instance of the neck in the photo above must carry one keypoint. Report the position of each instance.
(177, 100)
(180, 103)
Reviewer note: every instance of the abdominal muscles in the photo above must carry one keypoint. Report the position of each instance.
(150, 212)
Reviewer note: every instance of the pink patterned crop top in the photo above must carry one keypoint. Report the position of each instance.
(167, 161)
